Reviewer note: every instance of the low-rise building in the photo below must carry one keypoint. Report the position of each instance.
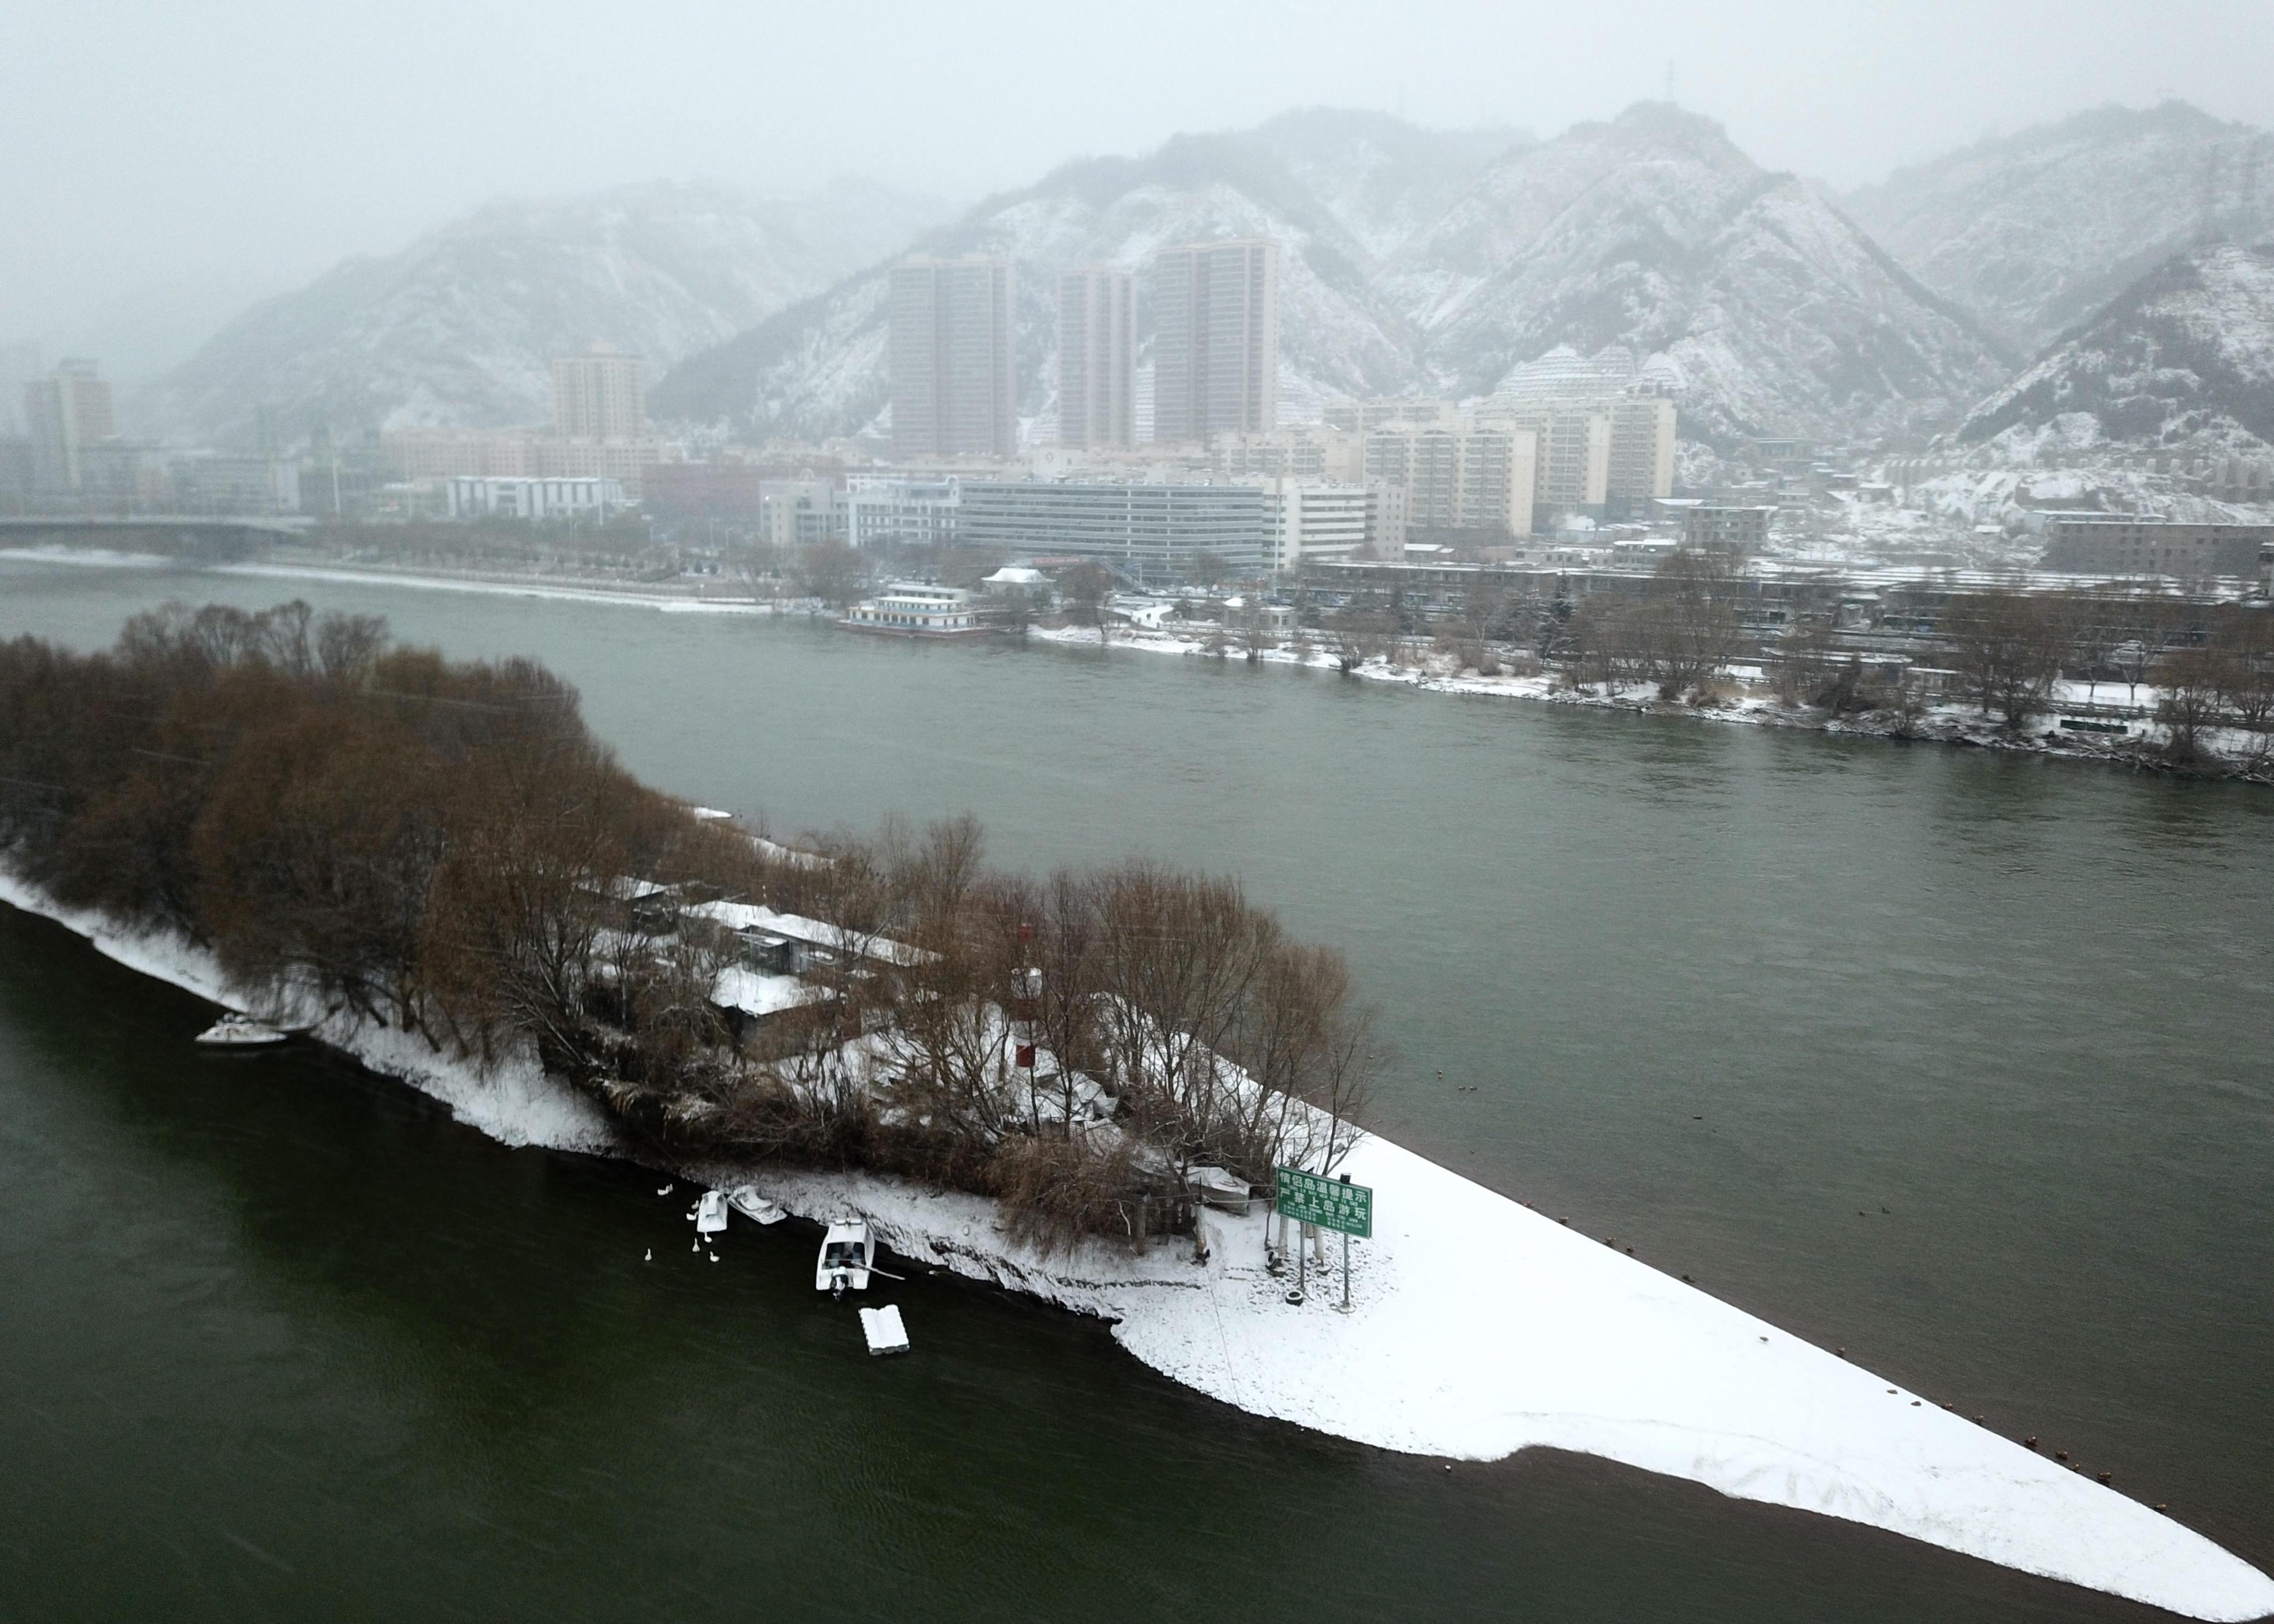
(801, 513)
(1711, 527)
(1316, 519)
(471, 496)
(903, 512)
(1157, 532)
(2115, 544)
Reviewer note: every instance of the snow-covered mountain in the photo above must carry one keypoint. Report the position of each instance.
(1654, 232)
(2182, 359)
(2033, 232)
(1337, 191)
(1436, 262)
(458, 329)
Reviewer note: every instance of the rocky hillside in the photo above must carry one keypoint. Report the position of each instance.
(1337, 190)
(1425, 261)
(2182, 359)
(458, 329)
(1654, 232)
(2033, 232)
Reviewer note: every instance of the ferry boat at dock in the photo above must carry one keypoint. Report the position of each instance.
(912, 609)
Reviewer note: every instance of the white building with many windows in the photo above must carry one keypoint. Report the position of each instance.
(496, 497)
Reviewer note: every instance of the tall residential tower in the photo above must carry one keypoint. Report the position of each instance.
(602, 395)
(1097, 349)
(68, 414)
(954, 358)
(1215, 340)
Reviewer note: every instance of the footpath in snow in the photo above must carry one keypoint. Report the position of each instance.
(1478, 1327)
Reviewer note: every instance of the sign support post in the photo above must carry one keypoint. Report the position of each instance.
(1315, 1201)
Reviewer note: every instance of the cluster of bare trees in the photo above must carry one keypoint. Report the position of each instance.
(1076, 1044)
(444, 848)
(1677, 631)
(2214, 665)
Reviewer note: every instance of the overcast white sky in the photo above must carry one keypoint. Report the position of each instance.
(167, 161)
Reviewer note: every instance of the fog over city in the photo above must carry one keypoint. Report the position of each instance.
(1353, 810)
(174, 163)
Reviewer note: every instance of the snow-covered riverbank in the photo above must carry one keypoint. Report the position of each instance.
(1745, 703)
(1479, 1327)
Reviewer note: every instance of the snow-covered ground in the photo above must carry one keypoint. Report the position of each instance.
(1747, 703)
(1567, 1343)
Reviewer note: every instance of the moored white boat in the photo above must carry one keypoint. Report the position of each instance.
(1219, 1188)
(754, 1206)
(710, 1212)
(239, 1031)
(847, 1253)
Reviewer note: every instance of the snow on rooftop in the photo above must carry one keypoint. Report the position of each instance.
(816, 932)
(754, 993)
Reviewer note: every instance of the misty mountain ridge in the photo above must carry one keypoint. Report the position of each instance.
(2182, 360)
(1413, 261)
(1335, 190)
(2035, 232)
(1416, 261)
(457, 330)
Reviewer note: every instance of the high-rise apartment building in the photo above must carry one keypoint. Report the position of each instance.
(1215, 340)
(602, 395)
(1097, 358)
(1604, 456)
(67, 414)
(1641, 464)
(1469, 479)
(954, 358)
(1573, 441)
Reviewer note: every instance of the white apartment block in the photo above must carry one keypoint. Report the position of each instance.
(1215, 340)
(954, 358)
(1474, 479)
(471, 496)
(1097, 358)
(602, 395)
(1308, 519)
(1365, 416)
(882, 512)
(1302, 453)
(801, 513)
(1604, 456)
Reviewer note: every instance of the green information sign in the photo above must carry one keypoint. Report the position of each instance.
(1329, 1203)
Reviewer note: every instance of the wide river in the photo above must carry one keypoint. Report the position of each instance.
(1956, 1060)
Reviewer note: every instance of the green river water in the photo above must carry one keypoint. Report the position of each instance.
(281, 1339)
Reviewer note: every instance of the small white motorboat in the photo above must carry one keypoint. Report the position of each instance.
(847, 1256)
(710, 1212)
(885, 1330)
(754, 1206)
(239, 1031)
(1219, 1188)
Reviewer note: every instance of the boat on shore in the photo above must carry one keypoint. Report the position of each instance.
(240, 1032)
(847, 1253)
(912, 609)
(754, 1206)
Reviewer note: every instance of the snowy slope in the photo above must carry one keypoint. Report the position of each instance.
(2185, 357)
(1332, 188)
(2035, 231)
(1655, 232)
(458, 329)
(1438, 263)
